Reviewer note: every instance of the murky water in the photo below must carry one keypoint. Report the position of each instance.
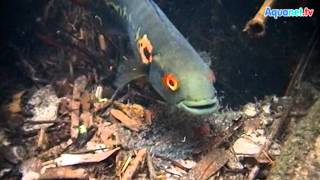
(245, 68)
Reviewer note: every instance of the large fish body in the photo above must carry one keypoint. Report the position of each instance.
(173, 67)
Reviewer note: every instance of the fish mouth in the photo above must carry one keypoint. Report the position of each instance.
(200, 107)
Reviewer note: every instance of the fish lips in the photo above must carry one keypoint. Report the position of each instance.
(200, 107)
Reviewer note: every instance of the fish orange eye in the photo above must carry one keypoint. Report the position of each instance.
(170, 81)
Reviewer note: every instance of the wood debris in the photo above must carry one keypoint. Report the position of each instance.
(135, 164)
(74, 118)
(151, 170)
(209, 164)
(128, 122)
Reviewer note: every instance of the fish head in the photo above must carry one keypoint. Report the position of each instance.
(186, 82)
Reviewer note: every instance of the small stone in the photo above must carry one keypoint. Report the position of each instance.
(266, 108)
(250, 110)
(45, 103)
(275, 149)
(275, 99)
(266, 120)
(260, 132)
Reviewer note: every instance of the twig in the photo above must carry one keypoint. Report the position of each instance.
(46, 121)
(256, 26)
(31, 72)
(254, 172)
(303, 63)
(152, 172)
(175, 163)
(134, 165)
(150, 98)
(110, 102)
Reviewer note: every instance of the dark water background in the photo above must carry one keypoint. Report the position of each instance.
(245, 68)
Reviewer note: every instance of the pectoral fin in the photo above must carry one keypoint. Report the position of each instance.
(129, 71)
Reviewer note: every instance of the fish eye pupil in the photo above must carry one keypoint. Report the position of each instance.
(170, 82)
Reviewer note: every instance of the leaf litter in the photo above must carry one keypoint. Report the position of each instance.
(84, 129)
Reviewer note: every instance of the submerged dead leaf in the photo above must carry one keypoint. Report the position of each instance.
(148, 116)
(87, 119)
(64, 173)
(72, 159)
(248, 145)
(251, 125)
(75, 121)
(85, 101)
(107, 134)
(133, 110)
(130, 123)
(209, 164)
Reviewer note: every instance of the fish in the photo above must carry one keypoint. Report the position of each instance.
(162, 54)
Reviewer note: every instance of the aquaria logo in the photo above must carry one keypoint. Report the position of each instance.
(299, 12)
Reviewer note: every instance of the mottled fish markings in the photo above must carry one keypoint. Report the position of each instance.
(161, 53)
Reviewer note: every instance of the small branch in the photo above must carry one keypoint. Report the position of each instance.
(256, 27)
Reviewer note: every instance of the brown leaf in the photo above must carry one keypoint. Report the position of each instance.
(209, 164)
(135, 111)
(72, 159)
(87, 118)
(63, 88)
(64, 173)
(75, 105)
(130, 123)
(85, 101)
(148, 116)
(107, 134)
(251, 125)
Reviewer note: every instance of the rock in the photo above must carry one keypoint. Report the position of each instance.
(250, 110)
(45, 103)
